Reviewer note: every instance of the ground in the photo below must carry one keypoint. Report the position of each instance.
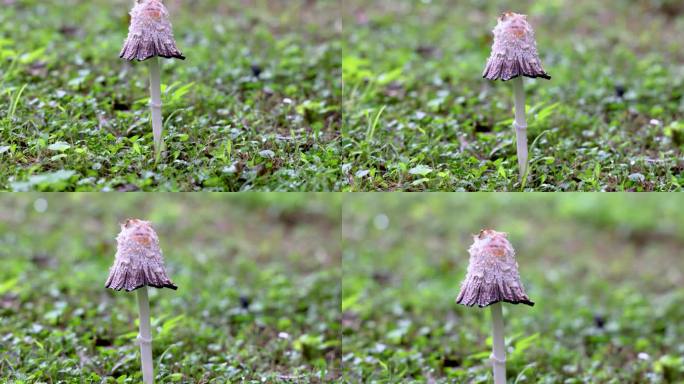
(417, 114)
(606, 281)
(258, 298)
(256, 105)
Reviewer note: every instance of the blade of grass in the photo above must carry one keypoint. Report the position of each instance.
(527, 171)
(15, 102)
(371, 127)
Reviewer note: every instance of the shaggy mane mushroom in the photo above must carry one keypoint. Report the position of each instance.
(138, 264)
(493, 278)
(514, 55)
(150, 36)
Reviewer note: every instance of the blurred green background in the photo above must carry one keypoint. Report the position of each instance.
(419, 116)
(254, 106)
(258, 298)
(606, 273)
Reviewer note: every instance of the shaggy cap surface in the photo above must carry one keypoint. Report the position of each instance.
(514, 52)
(492, 273)
(150, 33)
(139, 261)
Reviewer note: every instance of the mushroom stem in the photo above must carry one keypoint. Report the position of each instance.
(145, 336)
(156, 105)
(498, 351)
(520, 125)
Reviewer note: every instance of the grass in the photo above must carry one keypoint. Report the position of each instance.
(418, 116)
(607, 282)
(259, 104)
(258, 298)
(256, 106)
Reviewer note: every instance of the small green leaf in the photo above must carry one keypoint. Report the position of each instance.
(59, 146)
(8, 285)
(421, 170)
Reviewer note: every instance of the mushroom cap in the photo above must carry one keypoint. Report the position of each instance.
(150, 33)
(492, 272)
(139, 261)
(514, 52)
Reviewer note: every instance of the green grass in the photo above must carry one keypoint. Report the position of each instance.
(605, 271)
(258, 297)
(73, 116)
(414, 113)
(417, 114)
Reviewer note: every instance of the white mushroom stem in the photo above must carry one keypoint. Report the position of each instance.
(156, 105)
(145, 336)
(520, 124)
(498, 351)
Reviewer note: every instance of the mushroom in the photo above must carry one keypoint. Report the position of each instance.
(150, 36)
(514, 54)
(138, 264)
(493, 277)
